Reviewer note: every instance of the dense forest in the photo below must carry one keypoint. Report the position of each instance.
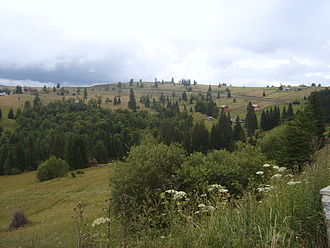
(84, 133)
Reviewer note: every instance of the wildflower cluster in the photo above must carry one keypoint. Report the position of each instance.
(175, 195)
(204, 209)
(100, 221)
(266, 188)
(292, 183)
(217, 188)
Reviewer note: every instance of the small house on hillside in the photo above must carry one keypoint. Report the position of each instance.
(224, 108)
(256, 107)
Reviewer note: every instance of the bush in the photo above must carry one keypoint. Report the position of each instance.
(234, 170)
(149, 167)
(52, 168)
(18, 220)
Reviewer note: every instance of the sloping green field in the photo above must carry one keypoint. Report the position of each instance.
(49, 206)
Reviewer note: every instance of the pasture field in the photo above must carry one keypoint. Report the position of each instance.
(49, 206)
(237, 104)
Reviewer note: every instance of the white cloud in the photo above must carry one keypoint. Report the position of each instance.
(210, 41)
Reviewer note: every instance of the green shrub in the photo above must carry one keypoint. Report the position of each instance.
(234, 170)
(149, 167)
(52, 168)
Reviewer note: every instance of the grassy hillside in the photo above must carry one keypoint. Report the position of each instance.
(242, 96)
(49, 206)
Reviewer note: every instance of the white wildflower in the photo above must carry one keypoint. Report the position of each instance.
(179, 195)
(217, 188)
(100, 221)
(259, 172)
(281, 169)
(292, 183)
(288, 175)
(276, 167)
(276, 176)
(170, 191)
(266, 165)
(201, 205)
(265, 189)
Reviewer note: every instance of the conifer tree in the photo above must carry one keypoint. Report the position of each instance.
(200, 138)
(115, 102)
(228, 93)
(184, 96)
(218, 96)
(284, 114)
(85, 94)
(289, 113)
(215, 137)
(132, 101)
(263, 121)
(100, 153)
(75, 152)
(58, 86)
(11, 114)
(0, 114)
(238, 132)
(251, 120)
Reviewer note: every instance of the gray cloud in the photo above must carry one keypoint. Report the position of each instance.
(241, 42)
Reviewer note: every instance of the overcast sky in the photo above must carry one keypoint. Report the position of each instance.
(243, 42)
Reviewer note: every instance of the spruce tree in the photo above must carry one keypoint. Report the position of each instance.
(238, 132)
(228, 93)
(289, 113)
(263, 121)
(200, 138)
(115, 102)
(215, 137)
(251, 120)
(184, 96)
(75, 152)
(0, 114)
(11, 114)
(284, 115)
(85, 94)
(218, 96)
(132, 101)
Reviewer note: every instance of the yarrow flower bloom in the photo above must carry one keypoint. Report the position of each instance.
(217, 188)
(265, 189)
(281, 169)
(100, 221)
(177, 195)
(204, 208)
(276, 176)
(266, 165)
(276, 167)
(259, 172)
(292, 183)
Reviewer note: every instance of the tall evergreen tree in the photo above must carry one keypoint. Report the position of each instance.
(75, 152)
(215, 137)
(0, 114)
(184, 96)
(218, 96)
(11, 114)
(251, 120)
(100, 152)
(238, 132)
(284, 115)
(85, 94)
(132, 101)
(263, 121)
(228, 93)
(200, 138)
(289, 113)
